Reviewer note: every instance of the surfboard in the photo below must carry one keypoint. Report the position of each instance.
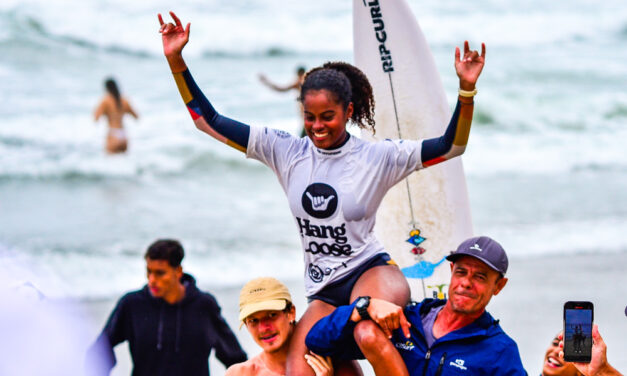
(423, 218)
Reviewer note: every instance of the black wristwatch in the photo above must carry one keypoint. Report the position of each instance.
(362, 307)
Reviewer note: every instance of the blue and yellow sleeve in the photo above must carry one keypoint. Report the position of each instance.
(206, 118)
(453, 142)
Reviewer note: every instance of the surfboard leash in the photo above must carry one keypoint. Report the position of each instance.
(411, 204)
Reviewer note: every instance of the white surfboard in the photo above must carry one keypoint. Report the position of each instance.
(423, 218)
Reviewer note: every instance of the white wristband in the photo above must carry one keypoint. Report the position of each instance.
(467, 94)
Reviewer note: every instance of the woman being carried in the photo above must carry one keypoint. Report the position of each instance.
(334, 182)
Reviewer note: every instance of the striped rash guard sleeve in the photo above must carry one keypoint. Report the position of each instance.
(206, 118)
(453, 142)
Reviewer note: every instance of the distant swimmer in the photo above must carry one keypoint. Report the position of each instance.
(298, 82)
(334, 182)
(114, 106)
(295, 85)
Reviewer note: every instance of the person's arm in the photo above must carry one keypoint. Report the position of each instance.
(99, 111)
(273, 86)
(100, 357)
(453, 142)
(129, 109)
(228, 349)
(206, 118)
(333, 335)
(322, 366)
(388, 316)
(598, 366)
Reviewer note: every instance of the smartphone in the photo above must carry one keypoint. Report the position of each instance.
(578, 317)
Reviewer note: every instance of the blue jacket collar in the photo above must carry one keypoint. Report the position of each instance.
(484, 326)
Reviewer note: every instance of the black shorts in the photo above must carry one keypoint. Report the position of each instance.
(338, 293)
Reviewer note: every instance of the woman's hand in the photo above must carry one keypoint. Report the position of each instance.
(598, 363)
(174, 38)
(469, 67)
(322, 366)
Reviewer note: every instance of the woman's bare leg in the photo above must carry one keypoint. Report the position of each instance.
(385, 282)
(296, 364)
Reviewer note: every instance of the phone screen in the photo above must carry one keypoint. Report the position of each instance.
(578, 332)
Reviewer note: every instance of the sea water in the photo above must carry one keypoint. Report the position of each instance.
(546, 163)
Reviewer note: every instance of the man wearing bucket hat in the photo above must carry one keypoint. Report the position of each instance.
(265, 307)
(434, 337)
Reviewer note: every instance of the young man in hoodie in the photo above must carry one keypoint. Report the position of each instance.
(435, 337)
(171, 326)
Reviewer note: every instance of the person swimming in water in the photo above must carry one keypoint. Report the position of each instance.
(114, 107)
(295, 85)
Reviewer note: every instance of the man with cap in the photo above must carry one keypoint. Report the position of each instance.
(434, 337)
(265, 307)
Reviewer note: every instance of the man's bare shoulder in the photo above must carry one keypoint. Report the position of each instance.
(252, 367)
(246, 368)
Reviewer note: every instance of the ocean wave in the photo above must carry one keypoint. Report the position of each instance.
(564, 237)
(267, 52)
(109, 273)
(615, 167)
(86, 167)
(106, 272)
(29, 32)
(483, 117)
(618, 111)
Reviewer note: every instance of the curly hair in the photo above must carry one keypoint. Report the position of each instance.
(347, 84)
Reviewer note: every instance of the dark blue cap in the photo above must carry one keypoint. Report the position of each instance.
(485, 249)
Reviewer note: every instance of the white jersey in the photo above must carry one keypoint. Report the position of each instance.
(334, 195)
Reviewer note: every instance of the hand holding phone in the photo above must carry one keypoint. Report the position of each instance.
(578, 319)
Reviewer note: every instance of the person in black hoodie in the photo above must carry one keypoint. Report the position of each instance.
(171, 326)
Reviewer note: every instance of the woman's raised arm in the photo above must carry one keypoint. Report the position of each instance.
(206, 118)
(453, 142)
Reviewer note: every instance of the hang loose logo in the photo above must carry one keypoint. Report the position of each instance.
(319, 203)
(319, 200)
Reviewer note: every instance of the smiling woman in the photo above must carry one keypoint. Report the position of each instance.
(334, 182)
(325, 119)
(554, 365)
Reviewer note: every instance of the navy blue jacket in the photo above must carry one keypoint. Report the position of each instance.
(480, 348)
(166, 339)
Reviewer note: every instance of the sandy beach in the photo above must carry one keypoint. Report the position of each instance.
(530, 306)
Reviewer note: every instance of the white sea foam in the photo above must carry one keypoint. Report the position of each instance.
(317, 26)
(60, 274)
